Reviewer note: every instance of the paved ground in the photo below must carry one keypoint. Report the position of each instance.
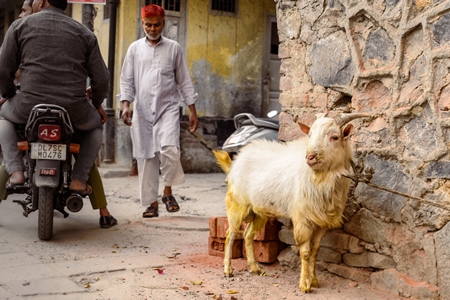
(161, 258)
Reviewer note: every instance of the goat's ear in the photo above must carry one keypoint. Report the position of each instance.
(303, 127)
(347, 129)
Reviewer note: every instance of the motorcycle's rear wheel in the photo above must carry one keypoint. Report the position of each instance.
(45, 218)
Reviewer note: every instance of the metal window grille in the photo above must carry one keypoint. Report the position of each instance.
(157, 2)
(173, 5)
(170, 5)
(224, 5)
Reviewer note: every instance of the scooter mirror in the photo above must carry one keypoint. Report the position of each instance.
(272, 113)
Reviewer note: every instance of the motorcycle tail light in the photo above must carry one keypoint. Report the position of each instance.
(22, 145)
(49, 132)
(74, 148)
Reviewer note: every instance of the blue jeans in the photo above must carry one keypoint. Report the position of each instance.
(91, 134)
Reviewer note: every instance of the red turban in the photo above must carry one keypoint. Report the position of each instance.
(152, 10)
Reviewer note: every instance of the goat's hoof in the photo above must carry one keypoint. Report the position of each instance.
(254, 268)
(228, 270)
(306, 290)
(315, 283)
(305, 287)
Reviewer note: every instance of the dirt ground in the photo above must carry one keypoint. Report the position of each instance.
(184, 269)
(159, 258)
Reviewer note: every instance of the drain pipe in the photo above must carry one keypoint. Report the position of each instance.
(110, 125)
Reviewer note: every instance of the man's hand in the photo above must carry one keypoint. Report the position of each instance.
(102, 114)
(126, 113)
(89, 92)
(193, 120)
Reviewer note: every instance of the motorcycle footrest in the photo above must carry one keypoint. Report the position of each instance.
(24, 204)
(19, 189)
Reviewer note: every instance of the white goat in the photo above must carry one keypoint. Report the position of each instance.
(270, 180)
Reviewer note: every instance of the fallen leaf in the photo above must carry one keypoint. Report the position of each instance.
(157, 267)
(113, 251)
(232, 292)
(185, 287)
(87, 285)
(97, 279)
(173, 255)
(199, 282)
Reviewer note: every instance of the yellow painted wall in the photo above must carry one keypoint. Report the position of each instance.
(127, 17)
(223, 53)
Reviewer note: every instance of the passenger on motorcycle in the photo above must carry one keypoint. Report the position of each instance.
(52, 72)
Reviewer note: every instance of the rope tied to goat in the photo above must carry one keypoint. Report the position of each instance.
(367, 177)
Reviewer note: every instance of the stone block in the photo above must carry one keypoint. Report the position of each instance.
(355, 274)
(369, 259)
(286, 235)
(336, 239)
(329, 255)
(289, 257)
(392, 281)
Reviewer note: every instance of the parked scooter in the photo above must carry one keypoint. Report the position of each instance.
(46, 141)
(249, 128)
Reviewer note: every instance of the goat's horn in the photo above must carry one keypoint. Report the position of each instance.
(343, 119)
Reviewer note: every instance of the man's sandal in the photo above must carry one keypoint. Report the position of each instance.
(83, 193)
(171, 204)
(151, 212)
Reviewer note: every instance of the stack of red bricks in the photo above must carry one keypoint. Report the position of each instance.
(266, 244)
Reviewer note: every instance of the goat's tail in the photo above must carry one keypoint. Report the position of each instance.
(223, 160)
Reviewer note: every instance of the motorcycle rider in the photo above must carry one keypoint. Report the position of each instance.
(43, 45)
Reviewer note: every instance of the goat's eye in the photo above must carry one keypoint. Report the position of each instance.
(335, 138)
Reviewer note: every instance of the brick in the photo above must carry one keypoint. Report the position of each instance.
(222, 227)
(212, 226)
(218, 227)
(216, 247)
(269, 232)
(265, 252)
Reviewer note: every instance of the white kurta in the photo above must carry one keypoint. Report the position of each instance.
(151, 79)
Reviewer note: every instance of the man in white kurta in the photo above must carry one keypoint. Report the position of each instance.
(153, 75)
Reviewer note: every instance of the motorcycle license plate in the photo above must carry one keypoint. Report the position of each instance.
(48, 151)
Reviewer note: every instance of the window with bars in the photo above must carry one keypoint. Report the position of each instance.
(224, 7)
(169, 5)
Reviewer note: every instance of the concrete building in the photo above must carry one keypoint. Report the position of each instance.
(231, 49)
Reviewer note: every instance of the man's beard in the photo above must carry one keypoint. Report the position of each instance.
(152, 38)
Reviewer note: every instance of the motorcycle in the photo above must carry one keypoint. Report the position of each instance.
(46, 140)
(249, 128)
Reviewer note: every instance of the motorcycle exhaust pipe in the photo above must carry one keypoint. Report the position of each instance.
(74, 203)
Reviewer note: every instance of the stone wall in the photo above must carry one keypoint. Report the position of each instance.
(390, 58)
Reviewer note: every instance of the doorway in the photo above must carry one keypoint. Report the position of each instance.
(271, 68)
